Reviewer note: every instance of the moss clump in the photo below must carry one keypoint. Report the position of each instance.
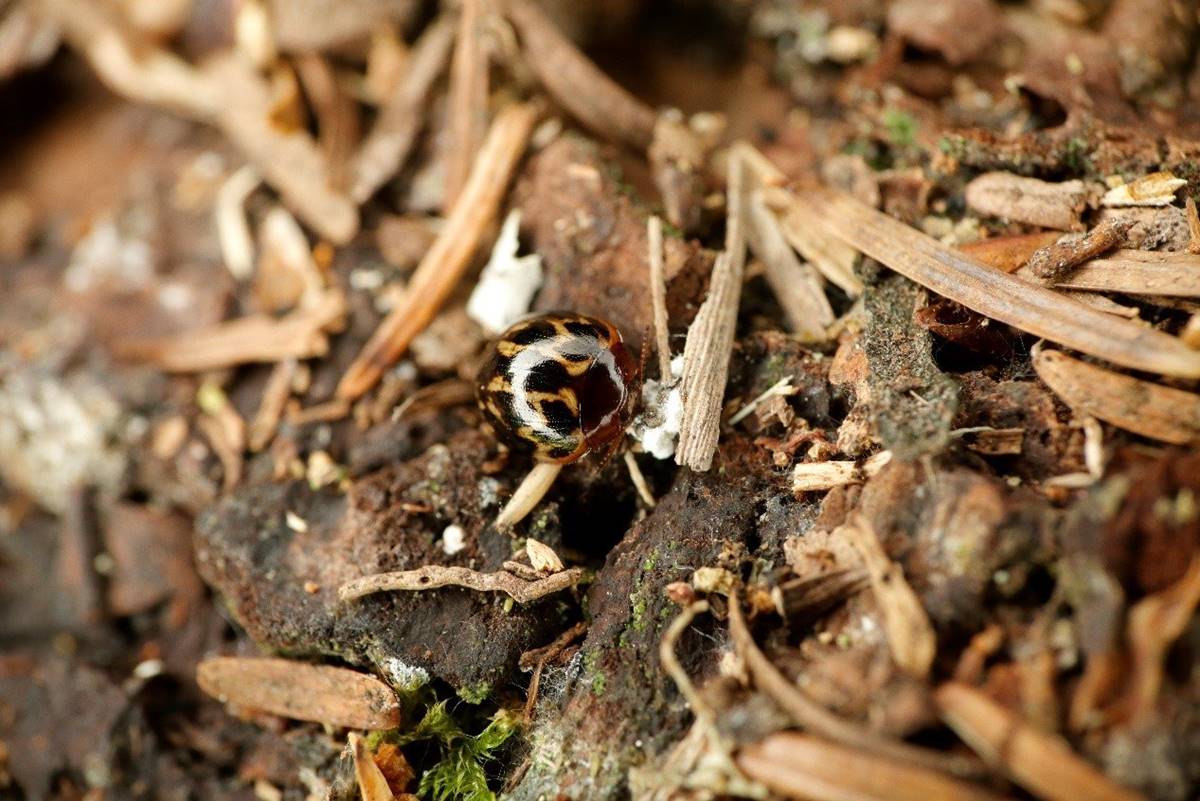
(459, 774)
(475, 693)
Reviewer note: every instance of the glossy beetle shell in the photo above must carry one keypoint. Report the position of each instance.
(560, 383)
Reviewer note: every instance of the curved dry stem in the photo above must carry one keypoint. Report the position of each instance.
(533, 488)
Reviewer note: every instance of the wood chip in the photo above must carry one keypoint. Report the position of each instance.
(1028, 200)
(821, 476)
(1054, 262)
(372, 784)
(320, 693)
(994, 294)
(1156, 189)
(1039, 762)
(796, 285)
(710, 338)
(431, 577)
(246, 340)
(391, 139)
(451, 253)
(1152, 410)
(576, 83)
(805, 767)
(909, 632)
(1193, 221)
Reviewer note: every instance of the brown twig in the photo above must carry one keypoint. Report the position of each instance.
(814, 717)
(1040, 762)
(1006, 298)
(1193, 221)
(395, 131)
(576, 83)
(804, 767)
(270, 408)
(1054, 262)
(658, 297)
(831, 257)
(321, 693)
(1152, 410)
(467, 109)
(338, 120)
(256, 338)
(433, 576)
(710, 337)
(820, 476)
(289, 160)
(448, 258)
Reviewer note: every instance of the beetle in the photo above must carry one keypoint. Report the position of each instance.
(560, 383)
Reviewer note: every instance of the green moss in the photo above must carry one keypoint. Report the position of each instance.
(598, 681)
(901, 127)
(1075, 155)
(637, 613)
(475, 693)
(592, 674)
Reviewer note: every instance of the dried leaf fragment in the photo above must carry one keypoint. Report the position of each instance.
(371, 782)
(542, 557)
(909, 632)
(1152, 410)
(1138, 272)
(1155, 189)
(320, 693)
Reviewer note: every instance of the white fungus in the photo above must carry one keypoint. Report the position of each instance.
(507, 284)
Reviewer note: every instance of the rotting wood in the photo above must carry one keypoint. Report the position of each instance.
(576, 83)
(319, 693)
(1138, 272)
(910, 634)
(710, 338)
(432, 577)
(1152, 410)
(246, 340)
(450, 255)
(1039, 762)
(467, 106)
(392, 137)
(816, 718)
(795, 284)
(805, 767)
(1037, 310)
(1054, 262)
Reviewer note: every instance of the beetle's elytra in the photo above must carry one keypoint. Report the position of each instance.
(560, 383)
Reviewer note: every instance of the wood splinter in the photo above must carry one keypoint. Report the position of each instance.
(529, 494)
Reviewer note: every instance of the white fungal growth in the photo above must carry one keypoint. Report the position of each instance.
(403, 676)
(507, 284)
(454, 539)
(657, 427)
